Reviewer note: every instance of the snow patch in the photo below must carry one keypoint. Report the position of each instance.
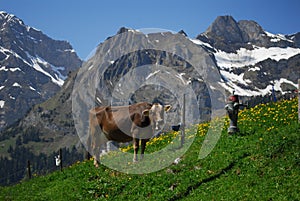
(277, 37)
(212, 88)
(14, 69)
(229, 86)
(16, 85)
(36, 61)
(3, 68)
(8, 52)
(179, 75)
(2, 102)
(256, 92)
(248, 81)
(33, 89)
(152, 74)
(233, 77)
(199, 42)
(245, 57)
(254, 69)
(69, 50)
(134, 31)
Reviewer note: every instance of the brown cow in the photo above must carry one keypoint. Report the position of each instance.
(123, 124)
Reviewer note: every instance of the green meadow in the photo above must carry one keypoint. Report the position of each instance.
(261, 162)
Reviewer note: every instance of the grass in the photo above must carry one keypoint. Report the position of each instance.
(262, 162)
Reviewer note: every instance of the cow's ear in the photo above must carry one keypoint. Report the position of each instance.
(146, 113)
(167, 107)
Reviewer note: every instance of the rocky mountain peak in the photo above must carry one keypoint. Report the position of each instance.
(228, 35)
(252, 60)
(33, 67)
(123, 30)
(251, 30)
(224, 33)
(225, 28)
(25, 40)
(9, 18)
(182, 32)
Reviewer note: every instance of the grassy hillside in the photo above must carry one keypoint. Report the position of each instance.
(262, 162)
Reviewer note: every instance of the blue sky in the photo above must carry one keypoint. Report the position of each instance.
(87, 23)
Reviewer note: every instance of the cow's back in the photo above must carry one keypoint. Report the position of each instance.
(116, 122)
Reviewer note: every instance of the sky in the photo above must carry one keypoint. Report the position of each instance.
(87, 23)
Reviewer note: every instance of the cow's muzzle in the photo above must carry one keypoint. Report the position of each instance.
(159, 124)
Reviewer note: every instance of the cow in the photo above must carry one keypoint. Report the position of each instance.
(136, 122)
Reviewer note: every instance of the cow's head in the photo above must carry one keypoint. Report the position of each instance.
(156, 115)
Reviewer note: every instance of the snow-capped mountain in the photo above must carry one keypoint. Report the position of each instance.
(251, 65)
(33, 67)
(251, 60)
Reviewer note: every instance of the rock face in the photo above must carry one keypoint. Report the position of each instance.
(33, 67)
(251, 60)
(228, 35)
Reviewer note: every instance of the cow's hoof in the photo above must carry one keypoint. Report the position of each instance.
(135, 160)
(96, 164)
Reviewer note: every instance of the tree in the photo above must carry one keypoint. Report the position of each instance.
(18, 141)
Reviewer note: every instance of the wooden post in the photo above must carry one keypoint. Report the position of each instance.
(87, 155)
(183, 122)
(61, 159)
(28, 170)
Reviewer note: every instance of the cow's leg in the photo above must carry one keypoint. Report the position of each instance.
(98, 139)
(93, 143)
(136, 143)
(96, 156)
(96, 149)
(143, 147)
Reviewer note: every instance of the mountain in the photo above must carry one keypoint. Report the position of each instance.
(228, 35)
(251, 60)
(33, 67)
